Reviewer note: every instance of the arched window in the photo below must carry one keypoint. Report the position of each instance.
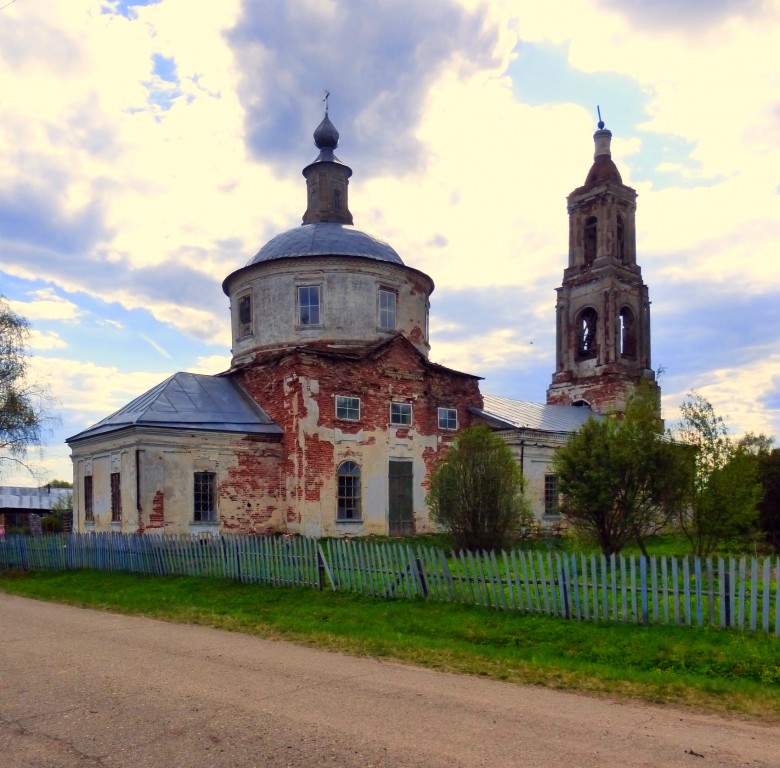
(627, 332)
(586, 332)
(589, 242)
(621, 239)
(348, 497)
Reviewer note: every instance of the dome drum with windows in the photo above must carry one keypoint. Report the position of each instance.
(325, 282)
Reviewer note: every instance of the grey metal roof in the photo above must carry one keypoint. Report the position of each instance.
(189, 401)
(522, 414)
(325, 239)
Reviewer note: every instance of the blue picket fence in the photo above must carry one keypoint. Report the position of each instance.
(717, 592)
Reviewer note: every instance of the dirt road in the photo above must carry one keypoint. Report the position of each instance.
(85, 688)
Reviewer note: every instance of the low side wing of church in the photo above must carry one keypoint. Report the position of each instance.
(332, 417)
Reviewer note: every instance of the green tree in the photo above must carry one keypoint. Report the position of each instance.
(767, 460)
(476, 491)
(60, 516)
(621, 478)
(724, 491)
(22, 415)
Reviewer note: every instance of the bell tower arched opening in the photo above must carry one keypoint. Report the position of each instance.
(627, 332)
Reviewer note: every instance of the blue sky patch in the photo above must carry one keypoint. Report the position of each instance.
(165, 68)
(126, 7)
(541, 74)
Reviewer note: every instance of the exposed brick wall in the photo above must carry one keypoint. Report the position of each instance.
(157, 515)
(298, 391)
(250, 496)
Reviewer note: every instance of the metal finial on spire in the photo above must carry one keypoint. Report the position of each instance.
(598, 109)
(327, 95)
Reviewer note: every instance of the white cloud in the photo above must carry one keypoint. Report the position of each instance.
(738, 395)
(210, 364)
(47, 305)
(41, 341)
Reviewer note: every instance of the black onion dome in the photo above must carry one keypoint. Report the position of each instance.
(325, 135)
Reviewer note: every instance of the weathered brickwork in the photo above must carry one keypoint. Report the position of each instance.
(250, 492)
(298, 389)
(157, 515)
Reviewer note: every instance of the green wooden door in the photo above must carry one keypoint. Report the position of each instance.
(401, 509)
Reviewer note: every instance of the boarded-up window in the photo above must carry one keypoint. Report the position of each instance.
(89, 510)
(116, 498)
(245, 315)
(589, 240)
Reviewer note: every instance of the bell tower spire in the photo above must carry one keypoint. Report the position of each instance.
(327, 178)
(603, 307)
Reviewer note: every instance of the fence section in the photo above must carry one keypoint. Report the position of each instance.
(717, 592)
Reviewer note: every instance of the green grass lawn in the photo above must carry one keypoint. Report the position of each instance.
(716, 670)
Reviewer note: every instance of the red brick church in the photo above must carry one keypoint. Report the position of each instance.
(332, 415)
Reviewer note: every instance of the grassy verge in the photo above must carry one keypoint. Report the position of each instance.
(708, 669)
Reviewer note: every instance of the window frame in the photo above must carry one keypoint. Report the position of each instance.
(552, 494)
(349, 508)
(244, 329)
(115, 480)
(387, 317)
(401, 421)
(209, 480)
(348, 407)
(448, 413)
(89, 499)
(304, 323)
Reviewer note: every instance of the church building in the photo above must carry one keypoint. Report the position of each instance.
(332, 416)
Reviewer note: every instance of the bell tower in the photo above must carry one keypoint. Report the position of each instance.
(603, 309)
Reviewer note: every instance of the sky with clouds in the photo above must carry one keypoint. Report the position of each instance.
(148, 149)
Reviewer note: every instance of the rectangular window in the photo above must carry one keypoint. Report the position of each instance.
(205, 507)
(116, 499)
(448, 418)
(89, 510)
(387, 304)
(551, 495)
(245, 316)
(347, 408)
(309, 305)
(401, 413)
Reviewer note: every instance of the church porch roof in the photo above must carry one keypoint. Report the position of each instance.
(189, 401)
